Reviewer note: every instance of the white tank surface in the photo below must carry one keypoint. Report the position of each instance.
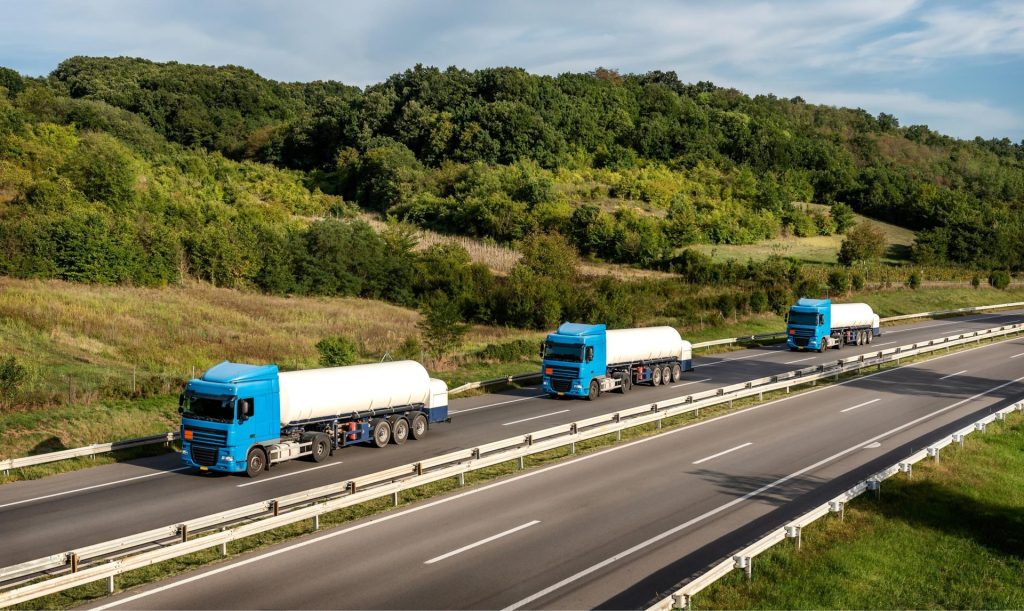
(645, 344)
(320, 393)
(852, 315)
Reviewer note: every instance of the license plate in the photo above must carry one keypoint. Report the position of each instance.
(204, 468)
(561, 394)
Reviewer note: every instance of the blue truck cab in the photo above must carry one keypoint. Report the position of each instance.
(226, 412)
(808, 324)
(573, 356)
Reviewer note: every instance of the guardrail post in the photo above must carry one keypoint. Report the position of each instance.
(462, 479)
(521, 463)
(419, 468)
(351, 487)
(394, 498)
(73, 561)
(794, 533)
(907, 468)
(838, 507)
(934, 453)
(316, 522)
(183, 530)
(958, 438)
(876, 485)
(746, 563)
(681, 601)
(275, 507)
(224, 545)
(110, 582)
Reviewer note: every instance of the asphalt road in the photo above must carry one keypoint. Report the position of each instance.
(64, 512)
(618, 528)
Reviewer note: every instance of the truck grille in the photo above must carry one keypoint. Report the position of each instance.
(206, 457)
(561, 385)
(210, 437)
(801, 341)
(563, 372)
(803, 332)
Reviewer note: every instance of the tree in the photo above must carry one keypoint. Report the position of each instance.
(843, 216)
(914, 281)
(839, 281)
(337, 351)
(12, 376)
(441, 325)
(865, 242)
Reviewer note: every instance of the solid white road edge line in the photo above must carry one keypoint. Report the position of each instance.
(717, 510)
(535, 417)
(697, 462)
(120, 481)
(1016, 355)
(270, 479)
(259, 557)
(953, 374)
(473, 409)
(859, 405)
(481, 542)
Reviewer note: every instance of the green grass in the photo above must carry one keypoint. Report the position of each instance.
(952, 537)
(813, 249)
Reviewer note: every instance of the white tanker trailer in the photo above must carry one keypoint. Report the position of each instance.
(247, 417)
(586, 360)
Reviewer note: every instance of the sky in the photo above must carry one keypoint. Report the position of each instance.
(957, 67)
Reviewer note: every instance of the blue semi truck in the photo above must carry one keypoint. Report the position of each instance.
(582, 360)
(245, 418)
(816, 324)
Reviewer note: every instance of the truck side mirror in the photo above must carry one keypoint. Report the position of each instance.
(542, 350)
(590, 353)
(785, 317)
(181, 403)
(243, 410)
(821, 319)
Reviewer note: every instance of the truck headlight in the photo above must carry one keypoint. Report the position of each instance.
(228, 458)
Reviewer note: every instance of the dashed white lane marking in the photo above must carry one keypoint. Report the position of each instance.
(953, 374)
(740, 447)
(798, 361)
(270, 479)
(693, 382)
(482, 542)
(535, 417)
(859, 405)
(473, 409)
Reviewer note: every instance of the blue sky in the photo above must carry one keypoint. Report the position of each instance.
(955, 66)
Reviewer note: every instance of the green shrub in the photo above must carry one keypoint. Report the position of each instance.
(12, 376)
(508, 351)
(999, 279)
(975, 281)
(337, 351)
(838, 281)
(857, 281)
(914, 281)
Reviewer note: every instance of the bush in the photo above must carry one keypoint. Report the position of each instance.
(337, 351)
(843, 216)
(914, 281)
(442, 326)
(975, 281)
(410, 350)
(838, 281)
(12, 376)
(508, 351)
(865, 242)
(999, 279)
(857, 281)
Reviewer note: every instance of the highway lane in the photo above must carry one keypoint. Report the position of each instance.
(59, 513)
(619, 528)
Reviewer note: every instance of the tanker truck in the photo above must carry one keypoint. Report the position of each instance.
(245, 418)
(582, 360)
(816, 324)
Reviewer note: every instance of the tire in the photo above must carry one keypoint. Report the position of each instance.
(871, 336)
(821, 349)
(625, 384)
(666, 375)
(255, 462)
(321, 448)
(418, 428)
(677, 373)
(381, 433)
(656, 377)
(399, 431)
(595, 391)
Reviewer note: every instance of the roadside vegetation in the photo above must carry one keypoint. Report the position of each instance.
(948, 538)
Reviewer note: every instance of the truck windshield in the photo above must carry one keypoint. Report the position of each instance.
(571, 353)
(207, 408)
(809, 319)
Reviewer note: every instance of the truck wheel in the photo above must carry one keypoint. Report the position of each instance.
(255, 462)
(624, 384)
(321, 448)
(381, 433)
(871, 335)
(595, 390)
(821, 348)
(677, 373)
(419, 426)
(656, 377)
(399, 431)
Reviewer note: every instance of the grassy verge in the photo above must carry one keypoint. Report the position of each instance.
(952, 537)
(94, 591)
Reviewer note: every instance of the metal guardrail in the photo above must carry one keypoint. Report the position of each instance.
(98, 448)
(111, 558)
(744, 558)
(14, 463)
